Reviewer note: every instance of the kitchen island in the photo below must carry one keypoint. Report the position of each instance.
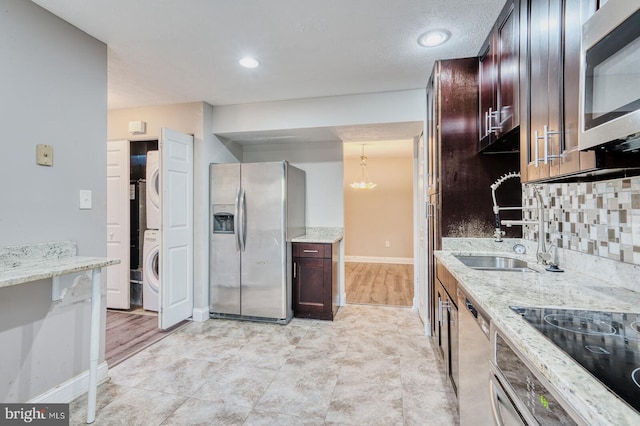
(496, 291)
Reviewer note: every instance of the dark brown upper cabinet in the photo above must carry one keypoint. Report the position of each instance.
(549, 63)
(498, 79)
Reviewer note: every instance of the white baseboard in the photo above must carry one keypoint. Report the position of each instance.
(372, 259)
(201, 314)
(72, 388)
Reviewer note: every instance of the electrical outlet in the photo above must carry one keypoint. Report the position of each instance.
(387, 244)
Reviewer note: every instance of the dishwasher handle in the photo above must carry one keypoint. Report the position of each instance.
(471, 308)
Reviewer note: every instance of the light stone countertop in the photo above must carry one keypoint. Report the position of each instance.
(21, 264)
(31, 262)
(320, 235)
(496, 291)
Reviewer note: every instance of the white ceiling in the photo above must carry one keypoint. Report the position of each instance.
(173, 51)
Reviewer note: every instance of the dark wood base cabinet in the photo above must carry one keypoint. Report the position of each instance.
(315, 280)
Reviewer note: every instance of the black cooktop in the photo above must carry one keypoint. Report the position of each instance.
(607, 344)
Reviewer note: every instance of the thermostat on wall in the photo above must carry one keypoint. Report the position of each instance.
(44, 155)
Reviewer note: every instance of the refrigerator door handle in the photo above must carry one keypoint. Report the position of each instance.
(235, 219)
(243, 226)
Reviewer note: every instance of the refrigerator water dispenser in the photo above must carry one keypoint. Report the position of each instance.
(222, 219)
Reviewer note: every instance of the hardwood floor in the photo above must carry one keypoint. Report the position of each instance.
(128, 333)
(379, 283)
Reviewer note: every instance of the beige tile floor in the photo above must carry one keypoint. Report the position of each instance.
(371, 366)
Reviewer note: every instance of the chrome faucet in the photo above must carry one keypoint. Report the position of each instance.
(543, 254)
(498, 233)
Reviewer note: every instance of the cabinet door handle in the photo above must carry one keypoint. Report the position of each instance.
(486, 123)
(493, 115)
(545, 140)
(537, 155)
(309, 251)
(295, 268)
(547, 156)
(442, 305)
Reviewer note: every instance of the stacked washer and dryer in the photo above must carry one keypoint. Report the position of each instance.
(151, 247)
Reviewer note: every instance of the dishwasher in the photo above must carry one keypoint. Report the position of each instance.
(474, 397)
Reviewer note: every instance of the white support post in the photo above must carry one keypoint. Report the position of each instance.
(94, 343)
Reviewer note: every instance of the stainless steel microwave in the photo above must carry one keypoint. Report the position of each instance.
(610, 77)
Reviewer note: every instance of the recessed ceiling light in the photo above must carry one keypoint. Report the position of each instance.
(249, 62)
(433, 38)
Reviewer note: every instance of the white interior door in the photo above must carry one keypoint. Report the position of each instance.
(118, 223)
(176, 227)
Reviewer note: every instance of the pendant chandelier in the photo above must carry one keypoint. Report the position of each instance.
(363, 181)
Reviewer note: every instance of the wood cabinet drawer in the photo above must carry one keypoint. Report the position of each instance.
(317, 250)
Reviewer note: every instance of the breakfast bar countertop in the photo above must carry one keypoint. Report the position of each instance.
(21, 264)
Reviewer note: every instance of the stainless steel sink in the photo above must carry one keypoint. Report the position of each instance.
(494, 263)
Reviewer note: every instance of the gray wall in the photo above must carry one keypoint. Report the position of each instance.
(53, 86)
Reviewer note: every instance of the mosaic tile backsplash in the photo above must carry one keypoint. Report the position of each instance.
(599, 218)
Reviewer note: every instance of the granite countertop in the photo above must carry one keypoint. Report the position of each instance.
(495, 291)
(21, 264)
(320, 235)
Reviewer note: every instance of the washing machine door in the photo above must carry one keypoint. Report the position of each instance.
(151, 285)
(154, 270)
(153, 188)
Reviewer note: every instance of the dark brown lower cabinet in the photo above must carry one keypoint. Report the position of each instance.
(315, 280)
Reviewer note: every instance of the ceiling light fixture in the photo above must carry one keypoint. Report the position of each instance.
(433, 38)
(365, 181)
(249, 62)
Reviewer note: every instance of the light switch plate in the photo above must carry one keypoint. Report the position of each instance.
(85, 199)
(44, 155)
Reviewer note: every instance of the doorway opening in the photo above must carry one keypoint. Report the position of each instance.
(129, 332)
(379, 224)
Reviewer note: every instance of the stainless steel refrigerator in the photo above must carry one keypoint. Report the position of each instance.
(255, 211)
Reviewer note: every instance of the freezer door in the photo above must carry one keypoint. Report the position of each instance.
(224, 253)
(263, 276)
